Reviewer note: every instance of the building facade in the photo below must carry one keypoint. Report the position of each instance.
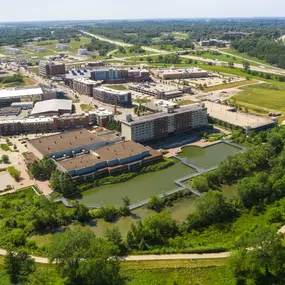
(84, 85)
(162, 124)
(113, 97)
(51, 68)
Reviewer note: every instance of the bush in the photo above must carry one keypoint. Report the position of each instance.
(5, 158)
(155, 203)
(5, 147)
(15, 173)
(109, 213)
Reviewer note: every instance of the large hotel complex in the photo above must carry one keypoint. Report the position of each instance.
(161, 124)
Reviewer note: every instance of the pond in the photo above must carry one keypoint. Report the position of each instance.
(137, 189)
(209, 156)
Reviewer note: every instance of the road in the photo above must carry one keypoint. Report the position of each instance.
(45, 260)
(260, 68)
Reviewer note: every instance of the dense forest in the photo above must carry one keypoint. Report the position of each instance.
(271, 51)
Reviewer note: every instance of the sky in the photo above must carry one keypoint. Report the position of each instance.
(42, 10)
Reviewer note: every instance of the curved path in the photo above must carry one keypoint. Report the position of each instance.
(45, 260)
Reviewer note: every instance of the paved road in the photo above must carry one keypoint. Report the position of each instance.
(149, 257)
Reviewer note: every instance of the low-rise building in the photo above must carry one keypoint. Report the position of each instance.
(12, 50)
(61, 46)
(12, 126)
(51, 68)
(111, 96)
(160, 91)
(35, 48)
(161, 124)
(81, 153)
(179, 73)
(231, 116)
(52, 107)
(82, 51)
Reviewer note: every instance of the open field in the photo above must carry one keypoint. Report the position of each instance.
(86, 107)
(119, 87)
(27, 82)
(220, 57)
(229, 85)
(263, 95)
(244, 55)
(178, 35)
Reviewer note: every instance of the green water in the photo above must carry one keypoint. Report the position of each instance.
(208, 156)
(230, 191)
(138, 188)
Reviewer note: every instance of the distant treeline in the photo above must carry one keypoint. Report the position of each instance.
(271, 51)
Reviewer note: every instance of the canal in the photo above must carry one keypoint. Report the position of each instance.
(208, 156)
(138, 188)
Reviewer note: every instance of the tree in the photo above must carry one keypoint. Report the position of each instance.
(149, 59)
(80, 212)
(200, 183)
(61, 182)
(246, 65)
(264, 263)
(108, 212)
(45, 276)
(5, 158)
(42, 169)
(18, 265)
(125, 210)
(114, 235)
(85, 259)
(15, 173)
(155, 203)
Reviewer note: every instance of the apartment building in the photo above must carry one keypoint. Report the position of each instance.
(35, 48)
(12, 126)
(160, 125)
(113, 97)
(51, 68)
(84, 85)
(112, 75)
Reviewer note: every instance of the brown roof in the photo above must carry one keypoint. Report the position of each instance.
(64, 141)
(106, 153)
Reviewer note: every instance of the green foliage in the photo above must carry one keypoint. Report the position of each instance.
(155, 203)
(108, 212)
(154, 231)
(5, 158)
(5, 147)
(78, 252)
(15, 173)
(114, 126)
(102, 47)
(114, 235)
(12, 79)
(42, 169)
(18, 265)
(61, 182)
(200, 183)
(264, 263)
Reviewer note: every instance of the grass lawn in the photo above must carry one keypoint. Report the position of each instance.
(244, 55)
(184, 102)
(221, 57)
(178, 35)
(263, 95)
(229, 85)
(212, 275)
(119, 87)
(85, 107)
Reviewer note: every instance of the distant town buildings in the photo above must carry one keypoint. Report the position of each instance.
(51, 68)
(111, 96)
(161, 124)
(12, 50)
(82, 51)
(35, 48)
(179, 73)
(84, 155)
(61, 46)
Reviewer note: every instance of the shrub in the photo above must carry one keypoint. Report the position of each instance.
(5, 158)
(15, 173)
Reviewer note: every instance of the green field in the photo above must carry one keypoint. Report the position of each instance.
(119, 87)
(27, 82)
(221, 57)
(85, 107)
(178, 35)
(196, 272)
(244, 55)
(263, 95)
(229, 85)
